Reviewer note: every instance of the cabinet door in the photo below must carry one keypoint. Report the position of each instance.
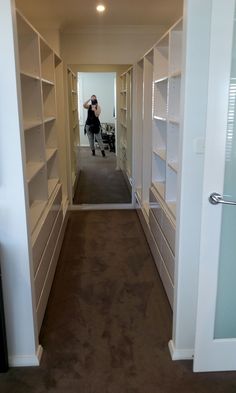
(215, 346)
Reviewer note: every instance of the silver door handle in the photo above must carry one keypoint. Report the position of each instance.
(216, 198)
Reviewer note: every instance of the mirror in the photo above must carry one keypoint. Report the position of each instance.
(99, 176)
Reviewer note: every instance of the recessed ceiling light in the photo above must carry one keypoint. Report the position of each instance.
(100, 8)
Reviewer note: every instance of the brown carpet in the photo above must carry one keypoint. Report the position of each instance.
(108, 321)
(99, 180)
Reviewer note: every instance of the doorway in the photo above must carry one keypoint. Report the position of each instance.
(100, 179)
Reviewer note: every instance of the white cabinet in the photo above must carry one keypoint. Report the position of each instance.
(37, 73)
(166, 115)
(172, 216)
(38, 65)
(158, 84)
(124, 140)
(74, 128)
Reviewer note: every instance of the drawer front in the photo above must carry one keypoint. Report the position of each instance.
(46, 258)
(167, 283)
(156, 230)
(156, 208)
(169, 258)
(169, 232)
(163, 246)
(40, 243)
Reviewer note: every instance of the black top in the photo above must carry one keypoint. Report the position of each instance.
(92, 118)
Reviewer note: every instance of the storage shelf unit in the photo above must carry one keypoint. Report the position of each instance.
(125, 126)
(74, 128)
(158, 80)
(166, 112)
(39, 112)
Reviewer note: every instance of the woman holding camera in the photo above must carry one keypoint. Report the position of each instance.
(92, 125)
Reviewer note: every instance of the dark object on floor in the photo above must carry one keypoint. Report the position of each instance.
(108, 136)
(103, 153)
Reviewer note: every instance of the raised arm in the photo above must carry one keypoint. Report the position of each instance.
(86, 104)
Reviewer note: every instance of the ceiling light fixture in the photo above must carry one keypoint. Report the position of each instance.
(100, 8)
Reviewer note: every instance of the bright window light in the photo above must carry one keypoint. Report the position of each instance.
(101, 8)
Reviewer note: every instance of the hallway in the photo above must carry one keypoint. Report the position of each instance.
(108, 320)
(99, 179)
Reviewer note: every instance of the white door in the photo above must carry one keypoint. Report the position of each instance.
(215, 346)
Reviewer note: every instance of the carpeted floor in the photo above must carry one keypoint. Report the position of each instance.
(99, 180)
(108, 320)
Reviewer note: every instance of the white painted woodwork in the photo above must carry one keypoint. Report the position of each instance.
(30, 190)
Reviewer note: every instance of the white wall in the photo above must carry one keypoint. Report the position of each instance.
(108, 44)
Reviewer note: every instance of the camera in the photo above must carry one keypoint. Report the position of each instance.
(94, 102)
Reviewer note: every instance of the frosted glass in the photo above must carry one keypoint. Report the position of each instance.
(225, 321)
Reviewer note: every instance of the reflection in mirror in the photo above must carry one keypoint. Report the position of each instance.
(100, 175)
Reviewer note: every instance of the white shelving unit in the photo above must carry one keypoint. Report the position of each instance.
(125, 126)
(166, 115)
(42, 187)
(138, 97)
(158, 84)
(74, 127)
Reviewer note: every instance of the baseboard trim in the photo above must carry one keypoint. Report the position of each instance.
(180, 354)
(105, 206)
(26, 360)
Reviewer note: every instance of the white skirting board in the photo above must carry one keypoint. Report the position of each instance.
(180, 354)
(105, 206)
(26, 360)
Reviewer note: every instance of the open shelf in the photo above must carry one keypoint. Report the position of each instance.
(49, 104)
(32, 169)
(160, 99)
(158, 169)
(52, 169)
(161, 58)
(29, 124)
(34, 145)
(50, 153)
(174, 98)
(50, 135)
(172, 208)
(173, 165)
(160, 188)
(52, 183)
(161, 153)
(176, 37)
(159, 135)
(47, 62)
(171, 185)
(28, 48)
(173, 146)
(31, 100)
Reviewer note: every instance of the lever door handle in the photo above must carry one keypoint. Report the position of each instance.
(216, 198)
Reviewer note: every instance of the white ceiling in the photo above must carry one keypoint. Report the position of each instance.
(70, 14)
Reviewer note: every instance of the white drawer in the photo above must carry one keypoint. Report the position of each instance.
(155, 229)
(168, 258)
(156, 208)
(169, 232)
(47, 255)
(44, 232)
(163, 246)
(169, 288)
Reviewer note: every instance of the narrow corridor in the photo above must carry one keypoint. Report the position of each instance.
(108, 321)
